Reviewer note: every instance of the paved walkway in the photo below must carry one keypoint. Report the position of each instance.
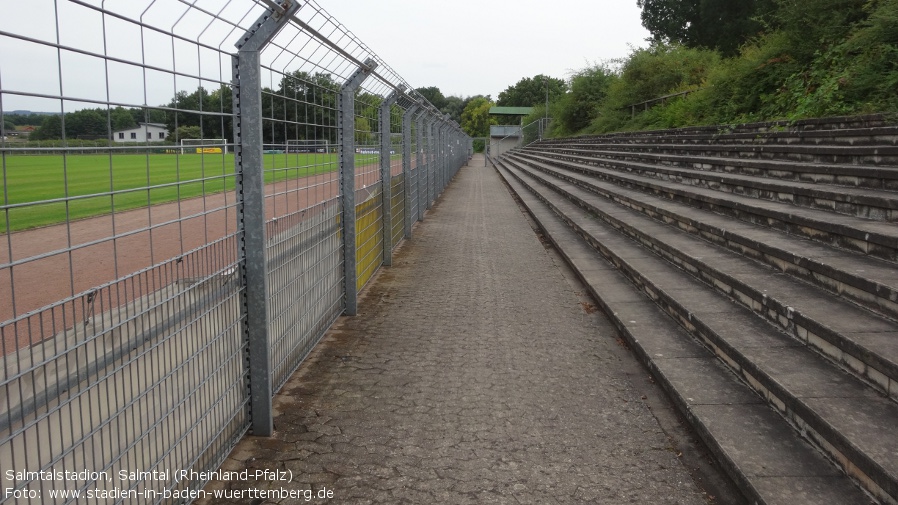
(473, 374)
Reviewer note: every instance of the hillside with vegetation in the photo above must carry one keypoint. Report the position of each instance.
(713, 61)
(733, 62)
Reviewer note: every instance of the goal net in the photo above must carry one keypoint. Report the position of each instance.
(204, 146)
(308, 146)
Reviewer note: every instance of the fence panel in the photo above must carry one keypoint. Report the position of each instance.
(122, 330)
(369, 190)
(180, 179)
(301, 86)
(409, 166)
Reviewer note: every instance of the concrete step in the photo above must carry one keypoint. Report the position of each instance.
(862, 176)
(808, 313)
(872, 162)
(872, 155)
(765, 457)
(865, 280)
(869, 203)
(830, 129)
(879, 135)
(827, 404)
(879, 239)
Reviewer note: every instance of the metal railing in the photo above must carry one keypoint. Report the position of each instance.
(154, 297)
(661, 100)
(507, 138)
(505, 130)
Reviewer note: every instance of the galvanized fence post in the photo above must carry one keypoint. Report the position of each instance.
(428, 158)
(407, 166)
(441, 132)
(453, 153)
(420, 162)
(444, 175)
(386, 176)
(438, 166)
(459, 153)
(431, 165)
(250, 182)
(346, 141)
(444, 152)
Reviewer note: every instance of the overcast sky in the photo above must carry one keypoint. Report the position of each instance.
(464, 47)
(471, 47)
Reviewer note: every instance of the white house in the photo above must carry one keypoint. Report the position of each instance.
(145, 132)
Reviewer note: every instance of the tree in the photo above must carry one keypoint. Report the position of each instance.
(589, 87)
(660, 70)
(531, 91)
(22, 119)
(181, 114)
(713, 24)
(187, 132)
(210, 111)
(475, 119)
(86, 123)
(122, 119)
(148, 115)
(50, 128)
(433, 95)
(726, 25)
(304, 107)
(669, 20)
(454, 105)
(367, 114)
(811, 27)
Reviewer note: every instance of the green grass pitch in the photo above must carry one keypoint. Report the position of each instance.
(34, 188)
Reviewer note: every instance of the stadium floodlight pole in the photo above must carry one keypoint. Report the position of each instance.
(386, 174)
(250, 180)
(407, 166)
(346, 134)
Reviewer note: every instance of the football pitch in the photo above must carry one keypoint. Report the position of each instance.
(40, 190)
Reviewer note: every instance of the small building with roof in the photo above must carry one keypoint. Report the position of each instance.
(144, 132)
(509, 133)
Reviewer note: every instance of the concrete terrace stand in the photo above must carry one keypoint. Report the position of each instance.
(754, 270)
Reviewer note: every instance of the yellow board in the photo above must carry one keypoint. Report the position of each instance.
(208, 150)
(368, 239)
(398, 206)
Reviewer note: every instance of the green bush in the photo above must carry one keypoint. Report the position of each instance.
(816, 58)
(588, 89)
(646, 75)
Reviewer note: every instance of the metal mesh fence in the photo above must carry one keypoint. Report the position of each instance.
(202, 194)
(397, 183)
(369, 204)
